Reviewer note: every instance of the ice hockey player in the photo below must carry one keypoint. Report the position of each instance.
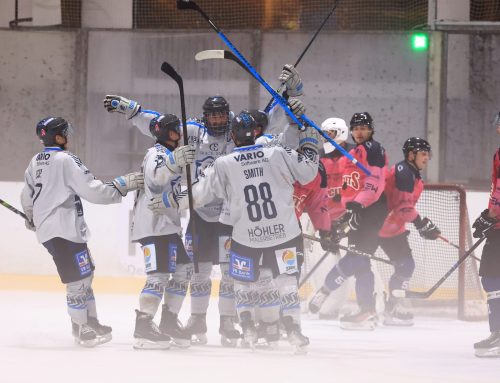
(55, 180)
(266, 238)
(211, 139)
(365, 213)
(403, 188)
(488, 223)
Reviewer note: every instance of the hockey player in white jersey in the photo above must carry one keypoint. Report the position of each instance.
(54, 182)
(160, 235)
(257, 183)
(211, 138)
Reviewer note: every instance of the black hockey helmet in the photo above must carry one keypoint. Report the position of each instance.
(216, 106)
(49, 127)
(260, 118)
(160, 126)
(415, 144)
(243, 129)
(362, 118)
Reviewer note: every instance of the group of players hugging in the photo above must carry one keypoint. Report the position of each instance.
(253, 174)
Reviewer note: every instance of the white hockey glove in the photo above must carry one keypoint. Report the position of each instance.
(297, 107)
(129, 182)
(161, 204)
(121, 105)
(180, 157)
(308, 143)
(291, 78)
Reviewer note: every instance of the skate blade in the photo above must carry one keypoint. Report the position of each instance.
(265, 345)
(145, 344)
(399, 323)
(199, 339)
(358, 326)
(299, 350)
(86, 343)
(229, 342)
(101, 339)
(488, 353)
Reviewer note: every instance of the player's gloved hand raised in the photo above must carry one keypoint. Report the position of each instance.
(291, 78)
(121, 105)
(482, 224)
(426, 228)
(167, 201)
(129, 182)
(353, 215)
(308, 143)
(297, 107)
(180, 157)
(329, 241)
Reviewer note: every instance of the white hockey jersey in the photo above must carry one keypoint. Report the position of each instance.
(157, 179)
(54, 182)
(257, 184)
(208, 148)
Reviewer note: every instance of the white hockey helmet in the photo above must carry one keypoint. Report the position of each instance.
(337, 125)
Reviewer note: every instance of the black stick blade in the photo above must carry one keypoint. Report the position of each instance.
(186, 4)
(169, 70)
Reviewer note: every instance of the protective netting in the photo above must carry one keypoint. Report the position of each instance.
(461, 294)
(485, 10)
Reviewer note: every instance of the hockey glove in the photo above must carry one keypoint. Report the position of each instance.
(482, 224)
(297, 107)
(129, 182)
(426, 228)
(167, 201)
(180, 157)
(308, 143)
(291, 78)
(329, 241)
(353, 215)
(121, 105)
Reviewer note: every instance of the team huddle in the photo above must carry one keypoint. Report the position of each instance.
(252, 175)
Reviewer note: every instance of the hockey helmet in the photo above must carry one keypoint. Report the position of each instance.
(216, 106)
(362, 118)
(161, 126)
(260, 118)
(415, 144)
(338, 126)
(496, 122)
(243, 129)
(48, 128)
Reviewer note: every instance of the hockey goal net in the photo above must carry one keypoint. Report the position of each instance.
(461, 294)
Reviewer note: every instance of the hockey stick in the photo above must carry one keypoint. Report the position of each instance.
(271, 102)
(315, 267)
(211, 54)
(187, 4)
(428, 293)
(351, 250)
(170, 71)
(14, 210)
(446, 240)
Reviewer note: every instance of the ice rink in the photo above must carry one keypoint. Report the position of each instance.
(36, 346)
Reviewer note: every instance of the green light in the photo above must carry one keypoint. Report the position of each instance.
(419, 41)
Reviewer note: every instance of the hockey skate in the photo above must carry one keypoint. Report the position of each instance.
(229, 334)
(170, 325)
(84, 335)
(268, 335)
(364, 319)
(295, 337)
(318, 299)
(397, 315)
(196, 327)
(147, 336)
(103, 332)
(489, 347)
(249, 331)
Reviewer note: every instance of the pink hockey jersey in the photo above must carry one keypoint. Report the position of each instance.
(494, 202)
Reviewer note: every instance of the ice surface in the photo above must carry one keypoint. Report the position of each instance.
(36, 346)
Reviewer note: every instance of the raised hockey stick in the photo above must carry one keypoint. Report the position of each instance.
(14, 210)
(271, 102)
(350, 249)
(186, 4)
(315, 267)
(446, 240)
(428, 293)
(211, 54)
(170, 71)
